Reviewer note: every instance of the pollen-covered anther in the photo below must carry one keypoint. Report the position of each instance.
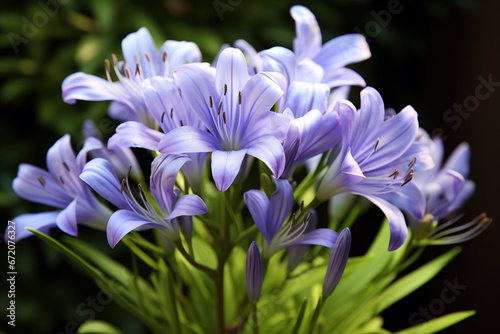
(107, 65)
(115, 60)
(180, 121)
(143, 195)
(255, 69)
(129, 169)
(308, 217)
(122, 186)
(239, 97)
(376, 145)
(225, 89)
(151, 64)
(210, 101)
(218, 108)
(171, 112)
(127, 72)
(412, 163)
(65, 166)
(165, 56)
(395, 174)
(137, 68)
(61, 179)
(162, 117)
(408, 178)
(224, 116)
(409, 173)
(41, 180)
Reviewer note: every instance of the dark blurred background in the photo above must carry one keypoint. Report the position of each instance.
(430, 54)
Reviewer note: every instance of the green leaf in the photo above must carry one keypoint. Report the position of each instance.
(98, 327)
(438, 324)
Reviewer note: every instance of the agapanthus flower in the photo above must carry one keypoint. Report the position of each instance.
(253, 273)
(337, 263)
(142, 61)
(311, 61)
(271, 214)
(60, 187)
(377, 156)
(235, 111)
(446, 188)
(131, 215)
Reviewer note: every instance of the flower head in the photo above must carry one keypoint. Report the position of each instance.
(338, 261)
(235, 111)
(253, 273)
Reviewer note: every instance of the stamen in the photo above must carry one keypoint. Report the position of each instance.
(61, 179)
(165, 55)
(151, 64)
(395, 174)
(408, 177)
(180, 121)
(292, 222)
(171, 112)
(65, 166)
(255, 69)
(225, 89)
(239, 97)
(127, 72)
(115, 60)
(165, 65)
(308, 216)
(409, 173)
(128, 171)
(41, 180)
(162, 117)
(123, 186)
(224, 116)
(138, 68)
(218, 108)
(412, 163)
(108, 69)
(301, 206)
(376, 145)
(210, 101)
(143, 195)
(408, 180)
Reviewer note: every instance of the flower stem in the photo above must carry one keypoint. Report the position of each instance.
(195, 264)
(255, 324)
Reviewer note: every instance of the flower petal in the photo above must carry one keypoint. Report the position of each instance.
(258, 204)
(342, 77)
(187, 139)
(226, 166)
(337, 263)
(37, 185)
(123, 222)
(135, 46)
(178, 53)
(281, 60)
(188, 205)
(253, 273)
(280, 206)
(253, 59)
(397, 223)
(408, 198)
(322, 237)
(135, 134)
(42, 222)
(459, 160)
(305, 96)
(90, 144)
(308, 41)
(66, 219)
(100, 176)
(342, 51)
(86, 87)
(270, 151)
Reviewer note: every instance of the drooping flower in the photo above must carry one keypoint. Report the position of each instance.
(337, 263)
(60, 187)
(253, 273)
(377, 156)
(131, 215)
(270, 216)
(235, 109)
(142, 61)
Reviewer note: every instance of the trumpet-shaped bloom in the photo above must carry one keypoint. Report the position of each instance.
(338, 261)
(235, 110)
(270, 215)
(142, 61)
(253, 273)
(59, 187)
(99, 174)
(378, 156)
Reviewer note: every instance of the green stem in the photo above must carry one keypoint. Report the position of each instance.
(255, 324)
(315, 317)
(195, 264)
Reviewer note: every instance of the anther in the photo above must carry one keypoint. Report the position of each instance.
(127, 72)
(165, 55)
(115, 60)
(180, 121)
(395, 174)
(128, 170)
(255, 69)
(143, 195)
(210, 101)
(61, 179)
(108, 69)
(224, 116)
(218, 108)
(409, 173)
(137, 68)
(404, 183)
(148, 57)
(376, 145)
(412, 163)
(225, 89)
(301, 206)
(171, 112)
(41, 180)
(239, 97)
(162, 117)
(308, 216)
(65, 166)
(123, 186)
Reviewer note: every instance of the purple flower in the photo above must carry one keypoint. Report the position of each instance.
(142, 61)
(253, 273)
(270, 215)
(235, 110)
(377, 156)
(60, 187)
(338, 261)
(131, 215)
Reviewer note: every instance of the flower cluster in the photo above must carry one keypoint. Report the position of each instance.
(267, 115)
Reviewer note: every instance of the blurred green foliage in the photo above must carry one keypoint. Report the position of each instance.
(66, 36)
